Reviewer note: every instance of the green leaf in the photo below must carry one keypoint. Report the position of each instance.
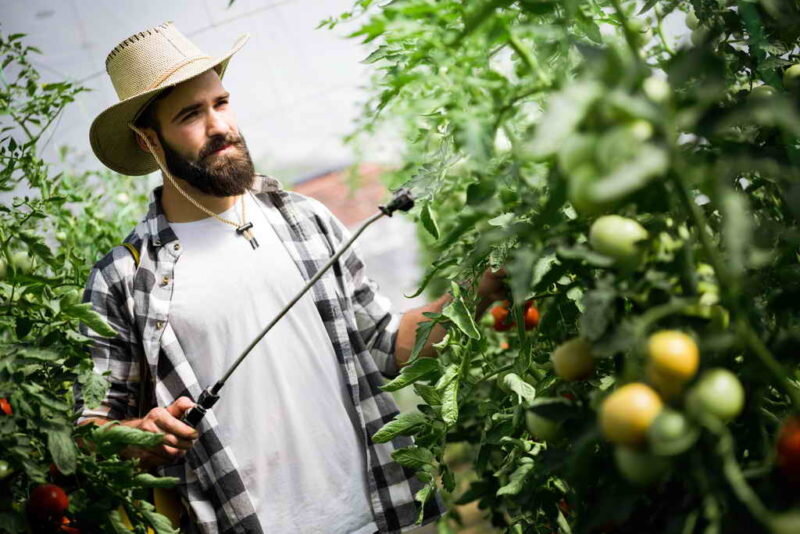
(429, 394)
(63, 450)
(600, 312)
(113, 436)
(420, 368)
(404, 424)
(525, 391)
(564, 111)
(159, 523)
(90, 318)
(146, 480)
(428, 222)
(413, 457)
(93, 389)
(457, 312)
(648, 163)
(517, 480)
(450, 402)
(116, 522)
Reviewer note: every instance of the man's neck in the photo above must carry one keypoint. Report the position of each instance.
(179, 210)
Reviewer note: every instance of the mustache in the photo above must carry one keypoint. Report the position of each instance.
(215, 143)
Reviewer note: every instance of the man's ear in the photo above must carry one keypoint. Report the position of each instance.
(150, 135)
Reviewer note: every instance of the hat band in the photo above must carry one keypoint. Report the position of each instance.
(174, 69)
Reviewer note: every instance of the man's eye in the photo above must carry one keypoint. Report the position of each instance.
(190, 114)
(222, 102)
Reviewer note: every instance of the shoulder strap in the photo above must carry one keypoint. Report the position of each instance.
(144, 374)
(134, 252)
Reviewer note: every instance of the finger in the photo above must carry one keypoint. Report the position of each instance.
(180, 406)
(170, 453)
(170, 425)
(176, 442)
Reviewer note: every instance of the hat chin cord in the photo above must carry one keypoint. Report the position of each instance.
(164, 167)
(242, 228)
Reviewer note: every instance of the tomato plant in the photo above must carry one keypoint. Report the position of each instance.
(49, 237)
(630, 185)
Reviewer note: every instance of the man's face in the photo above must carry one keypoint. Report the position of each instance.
(202, 144)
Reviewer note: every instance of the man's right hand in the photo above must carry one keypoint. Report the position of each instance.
(178, 436)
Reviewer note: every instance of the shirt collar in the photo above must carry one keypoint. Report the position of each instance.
(158, 226)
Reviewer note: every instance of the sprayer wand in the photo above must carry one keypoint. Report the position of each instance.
(402, 200)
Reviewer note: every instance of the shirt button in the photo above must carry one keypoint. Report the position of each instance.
(177, 246)
(165, 281)
(159, 324)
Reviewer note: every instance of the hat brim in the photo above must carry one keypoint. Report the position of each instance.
(114, 143)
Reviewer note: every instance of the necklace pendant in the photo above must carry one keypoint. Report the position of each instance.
(245, 231)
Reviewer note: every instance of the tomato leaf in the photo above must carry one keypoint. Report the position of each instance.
(517, 480)
(146, 480)
(458, 313)
(450, 402)
(413, 457)
(62, 449)
(563, 112)
(93, 389)
(525, 391)
(90, 318)
(404, 424)
(648, 163)
(420, 368)
(159, 523)
(428, 222)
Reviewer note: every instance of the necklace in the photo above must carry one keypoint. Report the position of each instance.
(242, 228)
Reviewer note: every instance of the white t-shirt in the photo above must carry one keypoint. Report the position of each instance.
(285, 412)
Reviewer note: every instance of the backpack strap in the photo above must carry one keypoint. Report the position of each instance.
(134, 252)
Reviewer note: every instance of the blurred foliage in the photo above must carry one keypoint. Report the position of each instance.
(525, 122)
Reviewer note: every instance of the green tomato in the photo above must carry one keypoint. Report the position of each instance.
(61, 236)
(618, 238)
(541, 427)
(763, 92)
(719, 393)
(5, 469)
(640, 468)
(791, 77)
(21, 262)
(656, 89)
(692, 22)
(698, 36)
(670, 425)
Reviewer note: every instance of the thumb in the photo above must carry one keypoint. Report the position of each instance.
(179, 407)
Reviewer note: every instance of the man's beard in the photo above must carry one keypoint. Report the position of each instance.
(223, 176)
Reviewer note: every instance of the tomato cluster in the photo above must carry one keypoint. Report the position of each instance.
(502, 316)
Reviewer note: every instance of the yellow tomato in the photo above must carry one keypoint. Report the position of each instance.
(673, 358)
(626, 414)
(573, 359)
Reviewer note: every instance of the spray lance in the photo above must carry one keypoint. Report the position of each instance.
(402, 200)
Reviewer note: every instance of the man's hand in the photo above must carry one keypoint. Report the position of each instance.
(178, 437)
(492, 286)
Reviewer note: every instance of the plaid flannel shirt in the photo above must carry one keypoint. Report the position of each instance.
(136, 303)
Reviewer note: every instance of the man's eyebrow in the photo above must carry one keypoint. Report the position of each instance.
(192, 107)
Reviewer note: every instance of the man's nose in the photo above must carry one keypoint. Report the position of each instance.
(217, 124)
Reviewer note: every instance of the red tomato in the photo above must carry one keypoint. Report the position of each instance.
(5, 406)
(531, 315)
(501, 314)
(47, 501)
(789, 449)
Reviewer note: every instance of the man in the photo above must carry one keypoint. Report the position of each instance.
(222, 249)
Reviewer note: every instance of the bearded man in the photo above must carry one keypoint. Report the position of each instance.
(221, 250)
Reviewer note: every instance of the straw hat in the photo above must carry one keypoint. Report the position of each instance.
(140, 67)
